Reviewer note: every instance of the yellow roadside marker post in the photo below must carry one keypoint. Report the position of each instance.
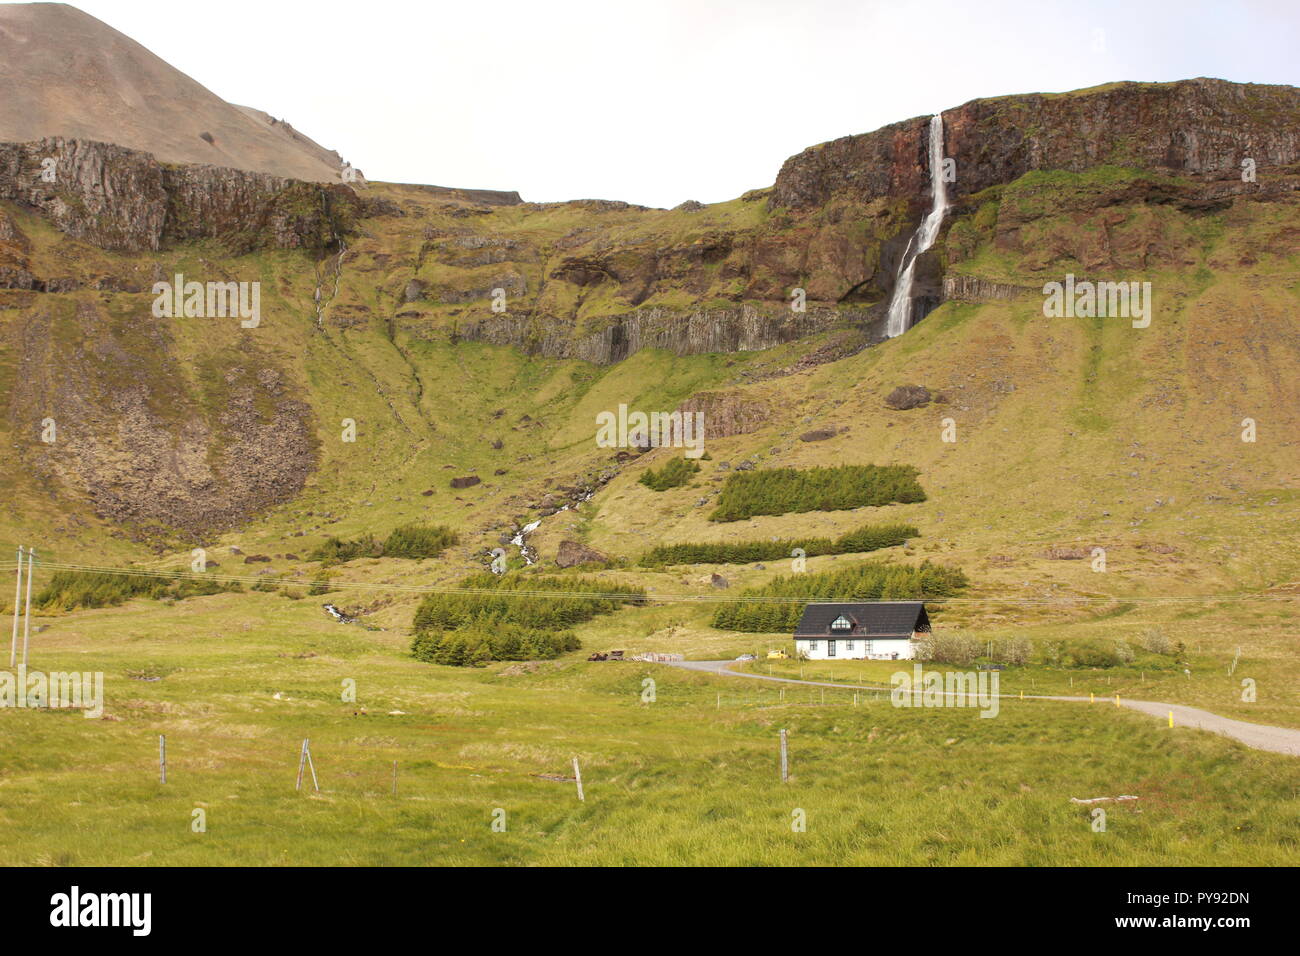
(1171, 718)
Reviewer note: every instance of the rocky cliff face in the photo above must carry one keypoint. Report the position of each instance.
(836, 220)
(742, 329)
(1201, 127)
(122, 199)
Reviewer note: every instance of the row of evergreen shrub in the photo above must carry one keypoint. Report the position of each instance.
(491, 639)
(409, 541)
(67, 590)
(866, 538)
(872, 581)
(476, 625)
(559, 602)
(776, 491)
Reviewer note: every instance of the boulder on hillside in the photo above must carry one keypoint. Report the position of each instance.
(818, 434)
(414, 291)
(573, 553)
(469, 481)
(908, 396)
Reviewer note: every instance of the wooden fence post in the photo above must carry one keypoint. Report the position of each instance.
(577, 775)
(162, 758)
(785, 759)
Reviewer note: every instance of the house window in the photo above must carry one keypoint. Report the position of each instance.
(848, 646)
(871, 647)
(830, 648)
(812, 645)
(841, 623)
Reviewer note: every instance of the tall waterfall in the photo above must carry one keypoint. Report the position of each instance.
(900, 306)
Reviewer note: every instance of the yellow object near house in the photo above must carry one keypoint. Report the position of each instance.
(777, 655)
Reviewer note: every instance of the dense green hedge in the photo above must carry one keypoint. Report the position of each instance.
(672, 475)
(549, 609)
(72, 589)
(408, 541)
(490, 639)
(866, 538)
(872, 581)
(531, 625)
(419, 541)
(776, 491)
(336, 550)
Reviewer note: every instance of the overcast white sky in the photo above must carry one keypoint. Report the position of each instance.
(659, 101)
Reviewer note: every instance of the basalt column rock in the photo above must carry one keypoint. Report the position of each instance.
(126, 200)
(1202, 128)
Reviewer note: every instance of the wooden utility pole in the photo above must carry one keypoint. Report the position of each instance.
(302, 763)
(311, 765)
(18, 600)
(27, 616)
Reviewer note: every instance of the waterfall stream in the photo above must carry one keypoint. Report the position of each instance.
(900, 306)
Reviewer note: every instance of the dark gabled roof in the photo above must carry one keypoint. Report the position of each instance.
(873, 619)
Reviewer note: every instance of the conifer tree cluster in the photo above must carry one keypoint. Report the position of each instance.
(871, 581)
(866, 538)
(481, 623)
(67, 590)
(672, 475)
(778, 491)
(409, 541)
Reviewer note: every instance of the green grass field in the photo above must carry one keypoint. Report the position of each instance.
(241, 679)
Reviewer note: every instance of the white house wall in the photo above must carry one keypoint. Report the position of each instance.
(880, 649)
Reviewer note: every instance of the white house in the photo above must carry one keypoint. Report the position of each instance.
(875, 630)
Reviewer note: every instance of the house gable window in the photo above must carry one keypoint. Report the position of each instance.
(841, 625)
